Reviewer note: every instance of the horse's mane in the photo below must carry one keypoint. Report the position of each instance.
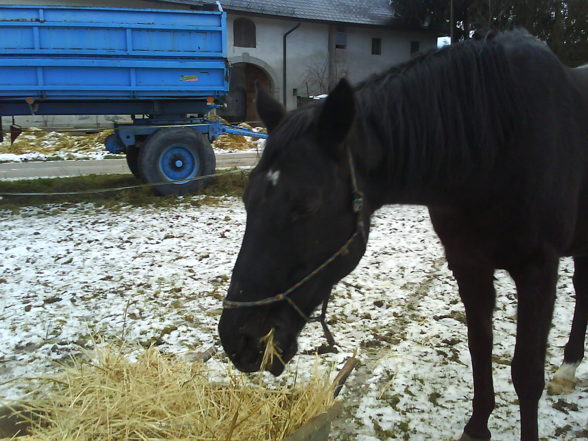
(450, 109)
(444, 114)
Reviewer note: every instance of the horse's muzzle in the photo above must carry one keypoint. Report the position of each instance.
(245, 344)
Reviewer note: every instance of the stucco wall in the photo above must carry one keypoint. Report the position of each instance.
(308, 53)
(307, 43)
(395, 49)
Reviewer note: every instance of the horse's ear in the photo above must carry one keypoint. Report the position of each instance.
(336, 118)
(269, 109)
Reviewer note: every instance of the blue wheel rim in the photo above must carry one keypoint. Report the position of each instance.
(179, 163)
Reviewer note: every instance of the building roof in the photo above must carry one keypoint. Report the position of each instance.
(373, 12)
(369, 12)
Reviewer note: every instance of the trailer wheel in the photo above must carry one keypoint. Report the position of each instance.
(176, 155)
(132, 154)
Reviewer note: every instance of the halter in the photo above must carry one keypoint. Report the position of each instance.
(357, 206)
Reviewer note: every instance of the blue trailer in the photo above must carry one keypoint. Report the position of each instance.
(165, 68)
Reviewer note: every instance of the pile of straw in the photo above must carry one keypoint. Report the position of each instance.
(34, 140)
(238, 142)
(233, 142)
(158, 397)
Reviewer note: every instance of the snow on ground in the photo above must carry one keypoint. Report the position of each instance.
(157, 275)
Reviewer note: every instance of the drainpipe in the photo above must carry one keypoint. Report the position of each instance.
(285, 61)
(331, 66)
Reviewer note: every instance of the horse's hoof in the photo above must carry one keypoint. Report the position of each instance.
(560, 386)
(466, 437)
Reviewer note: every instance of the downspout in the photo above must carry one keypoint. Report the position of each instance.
(285, 61)
(332, 71)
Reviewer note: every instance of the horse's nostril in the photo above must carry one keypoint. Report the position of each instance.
(248, 355)
(248, 339)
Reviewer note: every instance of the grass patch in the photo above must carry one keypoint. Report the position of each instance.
(227, 185)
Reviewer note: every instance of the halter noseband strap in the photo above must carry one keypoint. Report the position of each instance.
(357, 205)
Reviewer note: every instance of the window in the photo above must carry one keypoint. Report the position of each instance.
(376, 46)
(341, 39)
(415, 47)
(244, 33)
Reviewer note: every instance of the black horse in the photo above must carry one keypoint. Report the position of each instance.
(492, 136)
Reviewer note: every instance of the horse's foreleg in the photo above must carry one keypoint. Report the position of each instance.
(565, 377)
(536, 293)
(476, 289)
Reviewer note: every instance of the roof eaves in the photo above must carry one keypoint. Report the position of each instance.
(304, 18)
(251, 8)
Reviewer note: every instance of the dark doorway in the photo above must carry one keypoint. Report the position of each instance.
(241, 98)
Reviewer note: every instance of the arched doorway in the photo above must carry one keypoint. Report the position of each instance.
(240, 100)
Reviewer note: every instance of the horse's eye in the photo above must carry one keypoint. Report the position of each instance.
(303, 211)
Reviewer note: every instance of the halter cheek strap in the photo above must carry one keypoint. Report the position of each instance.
(357, 206)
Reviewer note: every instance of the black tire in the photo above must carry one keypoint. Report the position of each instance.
(132, 154)
(176, 155)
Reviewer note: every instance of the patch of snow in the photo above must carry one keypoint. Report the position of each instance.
(70, 273)
(57, 156)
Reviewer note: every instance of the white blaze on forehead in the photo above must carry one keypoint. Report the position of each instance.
(273, 176)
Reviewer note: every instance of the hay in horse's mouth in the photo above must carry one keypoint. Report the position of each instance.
(271, 351)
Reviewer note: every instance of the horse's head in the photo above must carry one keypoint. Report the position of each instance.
(299, 203)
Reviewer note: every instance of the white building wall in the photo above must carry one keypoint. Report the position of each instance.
(308, 60)
(308, 54)
(305, 45)
(395, 49)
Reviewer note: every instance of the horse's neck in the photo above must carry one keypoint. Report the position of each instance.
(425, 137)
(395, 172)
